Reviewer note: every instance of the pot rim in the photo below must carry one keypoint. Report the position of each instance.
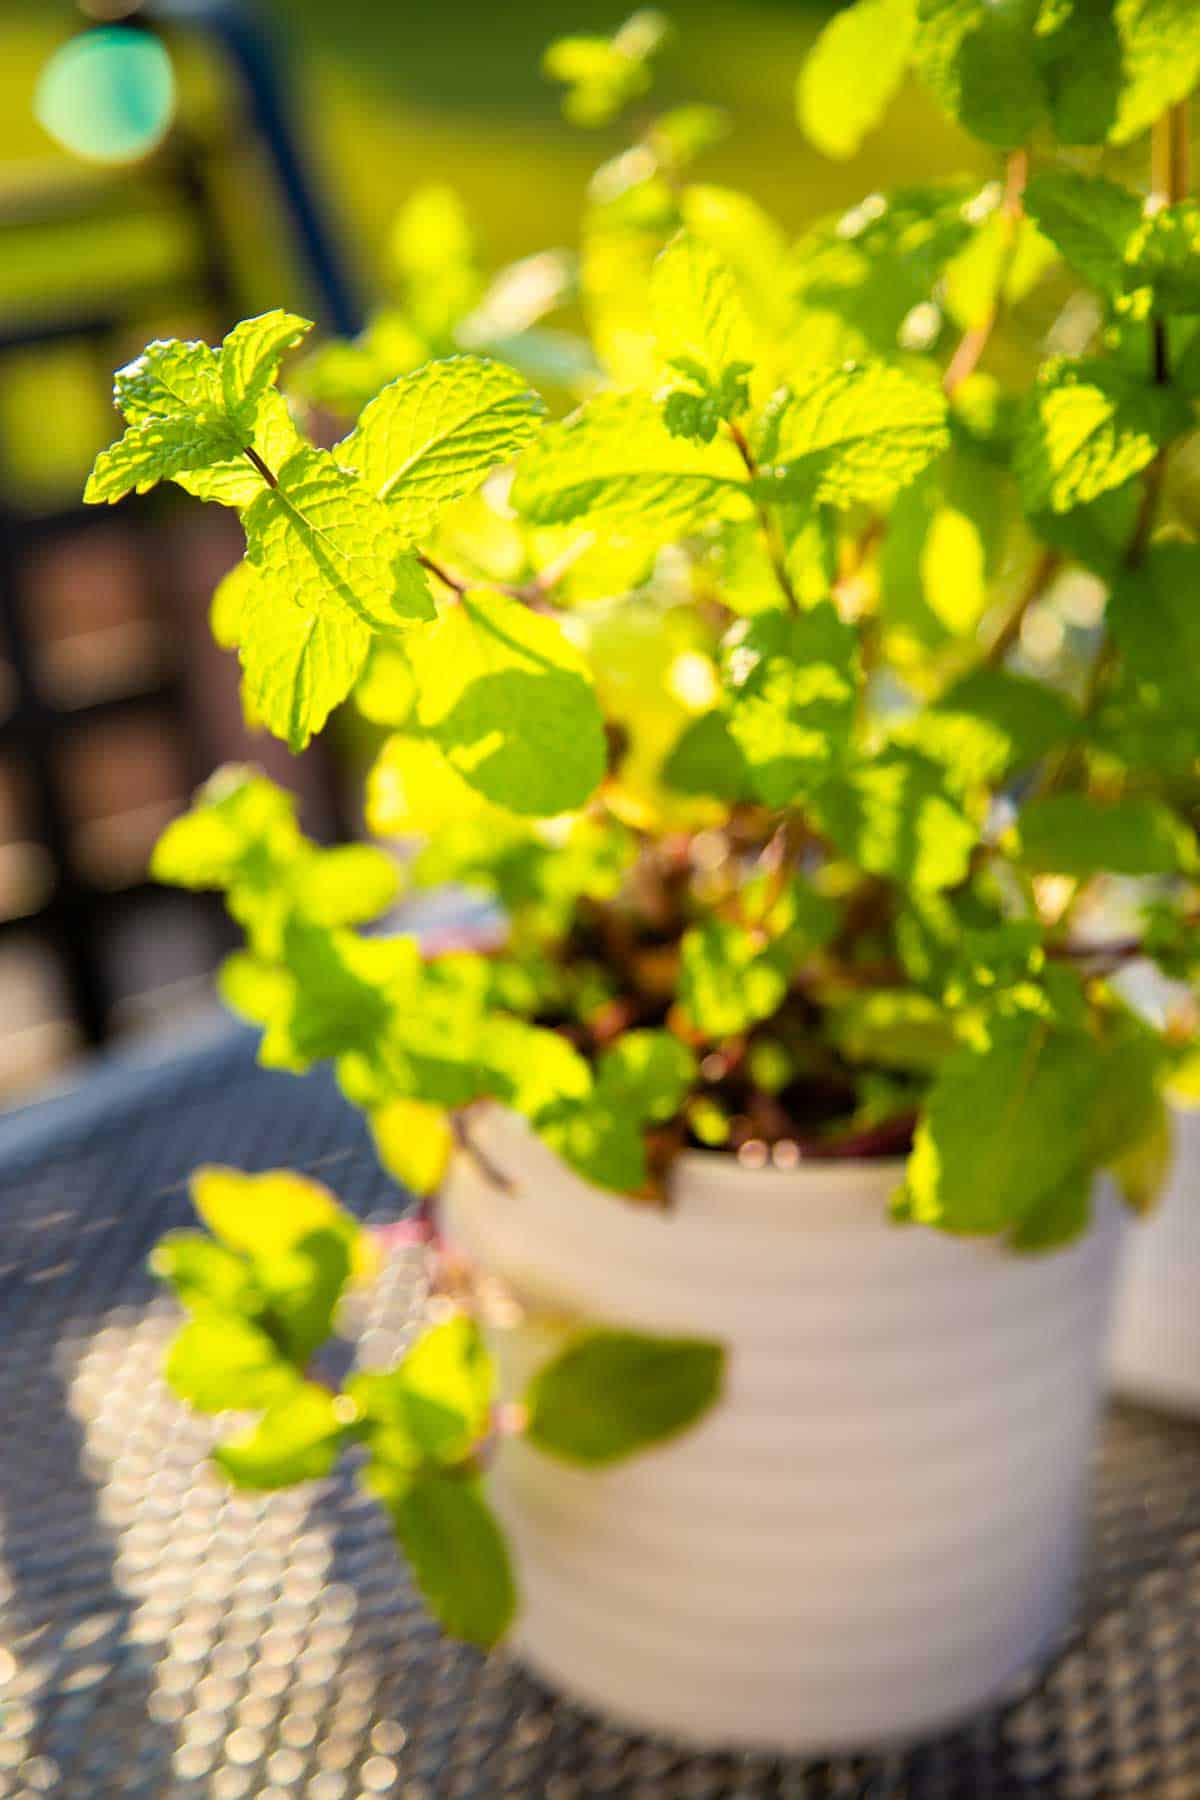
(719, 1163)
(703, 1185)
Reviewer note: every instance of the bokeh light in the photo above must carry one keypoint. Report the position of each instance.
(108, 95)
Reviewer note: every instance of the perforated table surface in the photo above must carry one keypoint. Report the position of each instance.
(162, 1637)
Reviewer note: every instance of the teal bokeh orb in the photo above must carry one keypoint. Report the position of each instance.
(108, 95)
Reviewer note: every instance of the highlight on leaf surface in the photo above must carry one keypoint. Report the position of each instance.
(510, 703)
(602, 75)
(856, 433)
(615, 461)
(1090, 426)
(852, 73)
(434, 435)
(192, 411)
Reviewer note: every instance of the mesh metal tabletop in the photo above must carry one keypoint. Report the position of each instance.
(163, 1637)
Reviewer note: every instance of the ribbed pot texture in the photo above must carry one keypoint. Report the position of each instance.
(878, 1526)
(1155, 1354)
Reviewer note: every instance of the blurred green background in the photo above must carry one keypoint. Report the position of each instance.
(387, 98)
(390, 96)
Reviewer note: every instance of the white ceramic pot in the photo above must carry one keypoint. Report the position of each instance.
(1155, 1351)
(878, 1525)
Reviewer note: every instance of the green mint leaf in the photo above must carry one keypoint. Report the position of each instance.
(302, 1286)
(191, 412)
(856, 434)
(528, 1068)
(686, 132)
(1142, 1171)
(648, 1072)
(457, 1555)
(536, 882)
(1091, 220)
(749, 242)
(433, 436)
(413, 788)
(599, 1130)
(1074, 835)
(699, 315)
(440, 1396)
(1003, 1128)
(219, 1362)
(340, 995)
(300, 658)
(154, 450)
(255, 989)
(284, 1254)
(169, 378)
(1160, 50)
(705, 759)
(990, 724)
(1161, 257)
(1128, 1114)
(346, 885)
(615, 462)
(602, 75)
(267, 1216)
(981, 63)
(793, 687)
(1059, 1217)
(241, 837)
(234, 481)
(1145, 263)
(250, 357)
(510, 703)
(398, 1029)
(1088, 427)
(602, 1143)
(1079, 54)
(899, 817)
(1155, 624)
(730, 978)
(610, 1394)
(413, 1142)
(385, 693)
(893, 1029)
(325, 568)
(734, 974)
(206, 1276)
(1098, 534)
(297, 1439)
(860, 278)
(322, 537)
(240, 831)
(853, 72)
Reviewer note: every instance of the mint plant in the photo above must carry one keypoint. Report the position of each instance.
(721, 685)
(262, 1292)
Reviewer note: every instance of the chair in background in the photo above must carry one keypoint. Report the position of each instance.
(112, 701)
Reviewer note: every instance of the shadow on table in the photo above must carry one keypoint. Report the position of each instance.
(96, 1468)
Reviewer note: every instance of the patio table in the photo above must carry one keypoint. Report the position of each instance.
(161, 1636)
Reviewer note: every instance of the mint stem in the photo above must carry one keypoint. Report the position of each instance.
(774, 547)
(454, 582)
(260, 465)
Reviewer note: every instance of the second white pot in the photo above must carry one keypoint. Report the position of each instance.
(878, 1525)
(1155, 1352)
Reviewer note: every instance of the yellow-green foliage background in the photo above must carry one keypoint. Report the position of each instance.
(391, 95)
